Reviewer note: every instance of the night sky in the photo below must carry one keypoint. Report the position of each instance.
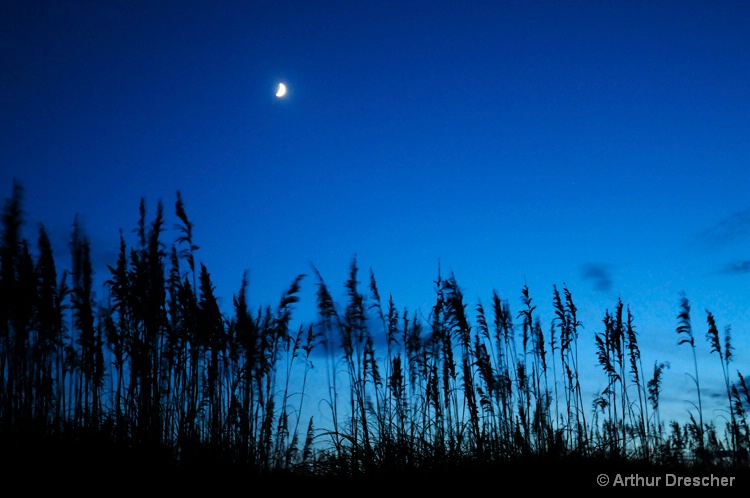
(601, 146)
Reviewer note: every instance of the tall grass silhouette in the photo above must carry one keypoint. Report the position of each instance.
(156, 367)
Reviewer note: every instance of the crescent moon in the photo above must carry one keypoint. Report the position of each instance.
(281, 91)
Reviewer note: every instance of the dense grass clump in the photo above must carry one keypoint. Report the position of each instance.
(156, 380)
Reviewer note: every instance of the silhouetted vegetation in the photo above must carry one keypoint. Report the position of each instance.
(155, 375)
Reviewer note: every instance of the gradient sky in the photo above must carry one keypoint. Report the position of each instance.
(604, 146)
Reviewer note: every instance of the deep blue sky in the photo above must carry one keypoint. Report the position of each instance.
(600, 145)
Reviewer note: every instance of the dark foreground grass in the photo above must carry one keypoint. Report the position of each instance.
(92, 466)
(155, 389)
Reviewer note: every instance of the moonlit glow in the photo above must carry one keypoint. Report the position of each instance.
(281, 91)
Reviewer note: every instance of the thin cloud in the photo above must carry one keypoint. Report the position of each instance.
(730, 230)
(599, 275)
(717, 393)
(744, 395)
(737, 268)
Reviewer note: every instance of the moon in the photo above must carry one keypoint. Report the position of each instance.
(281, 91)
